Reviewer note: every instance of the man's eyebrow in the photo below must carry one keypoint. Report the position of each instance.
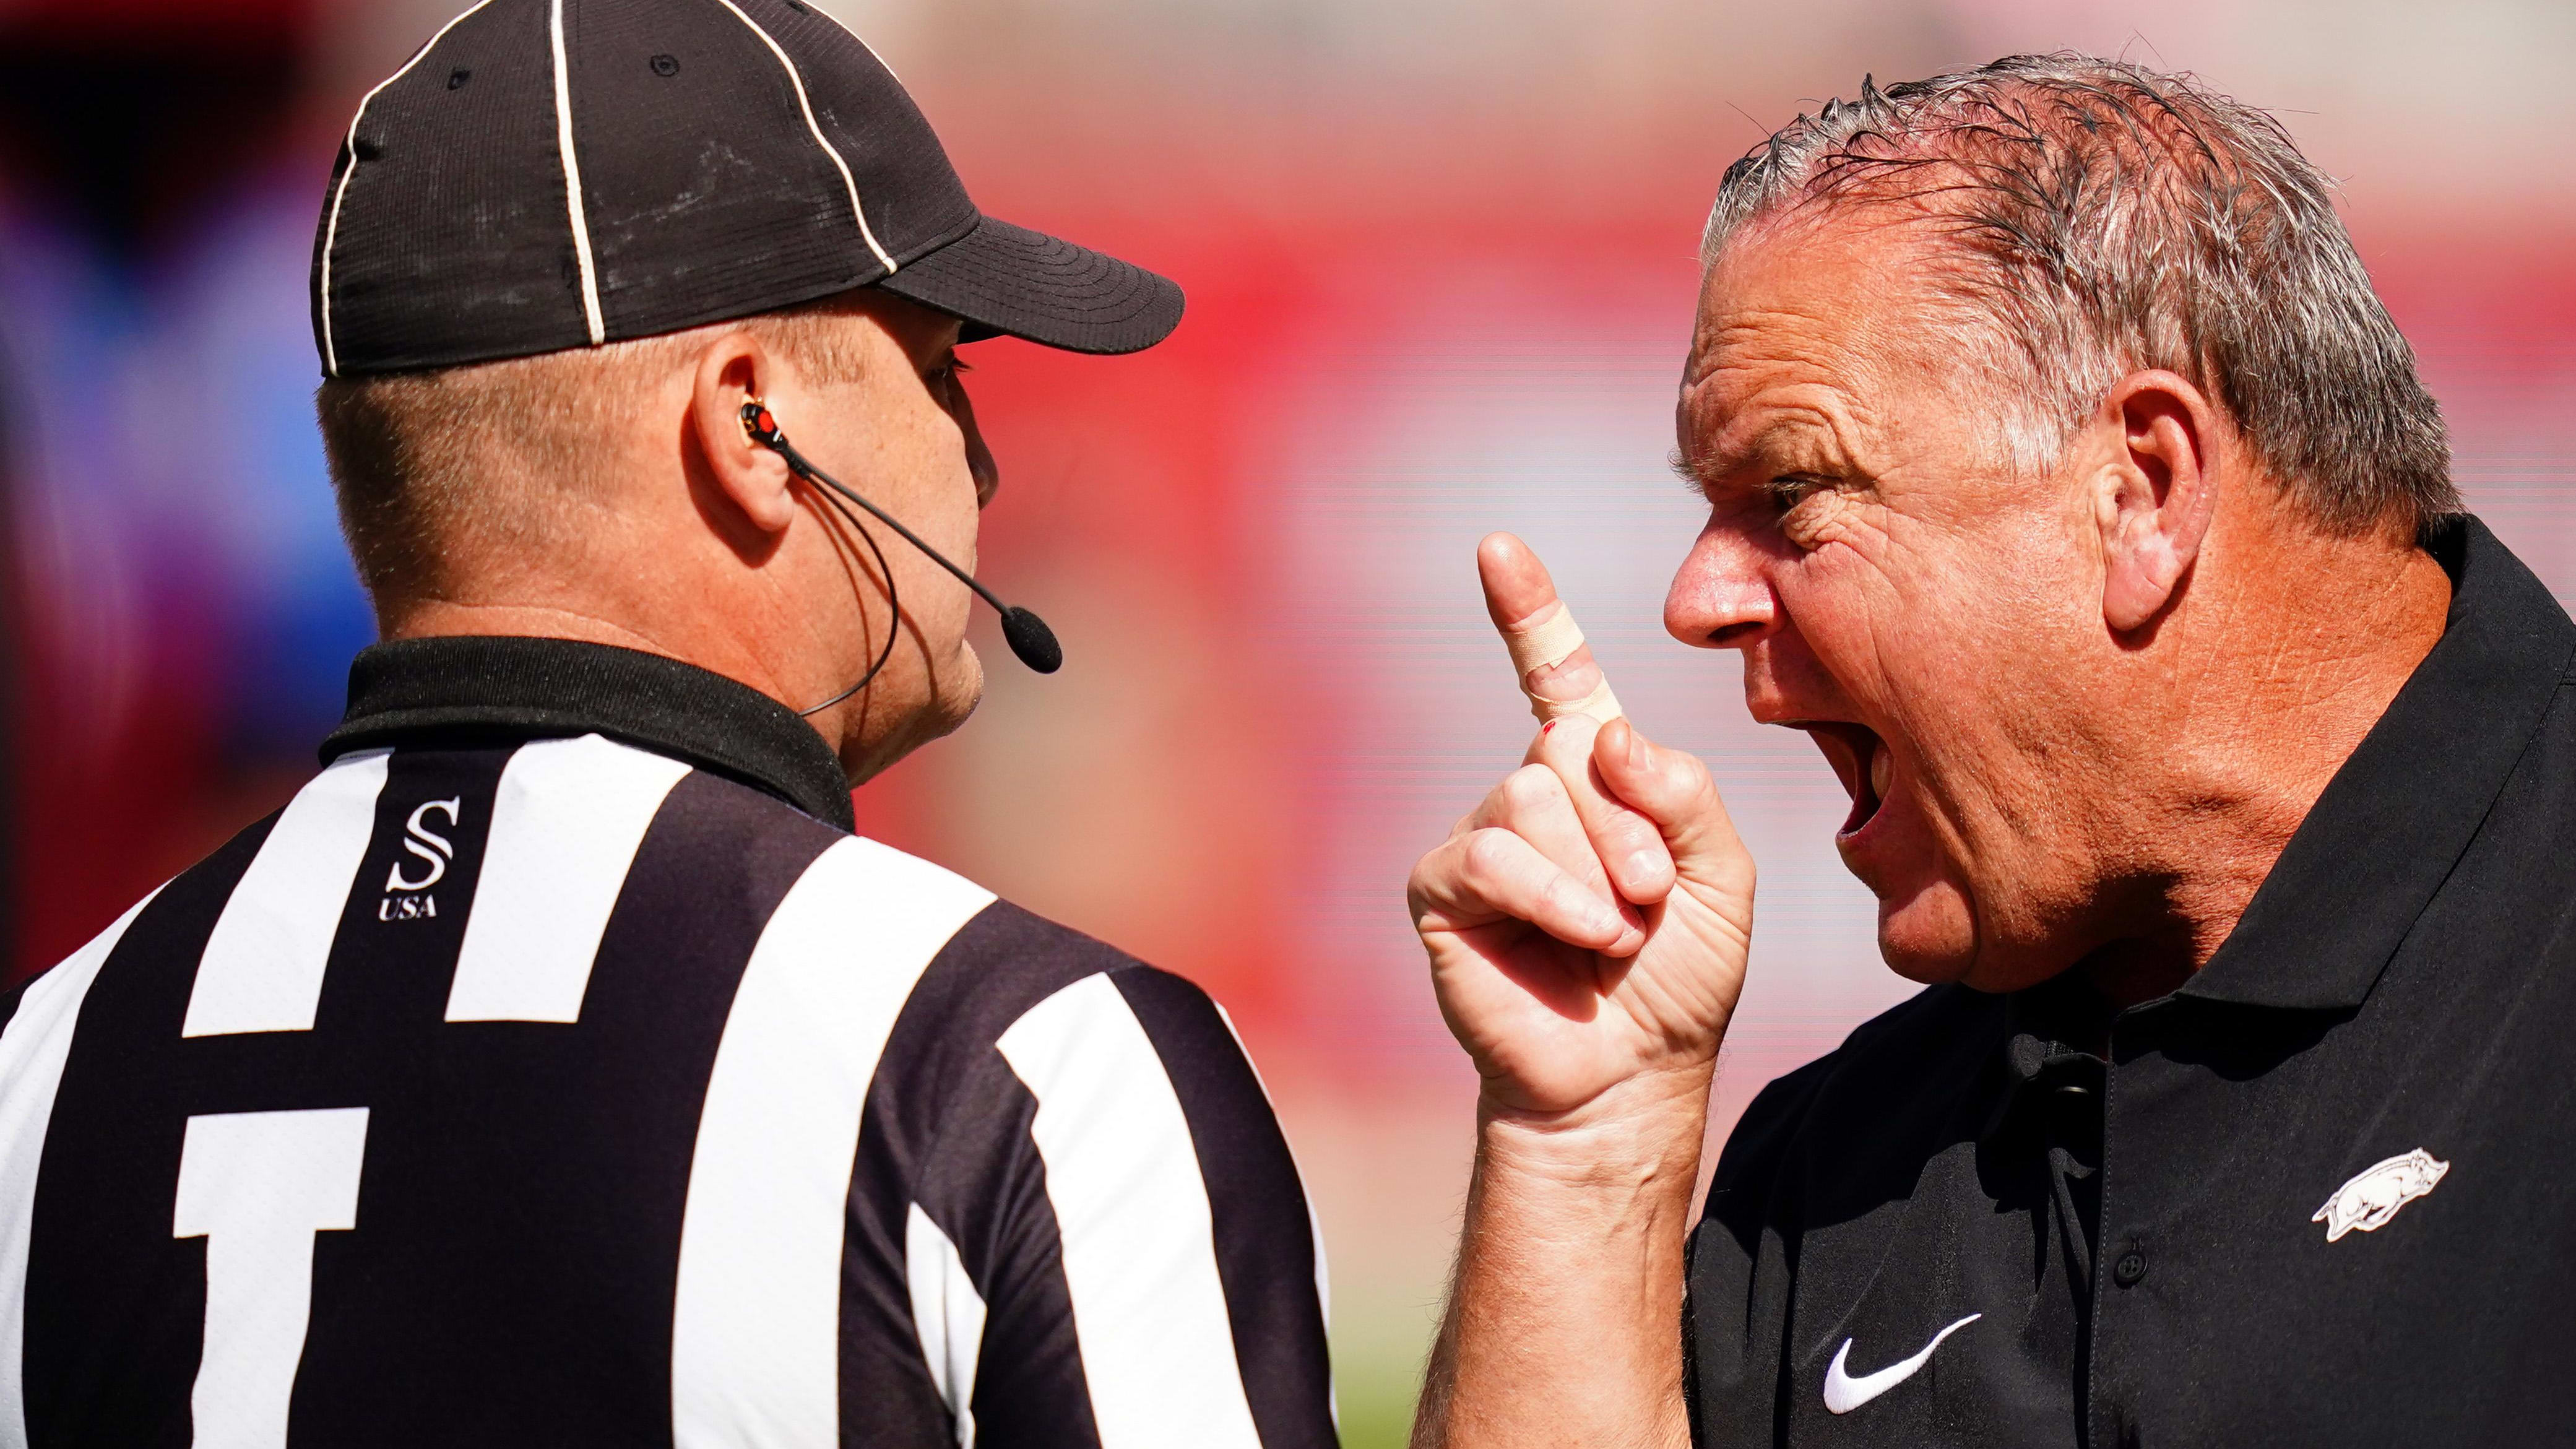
(1796, 428)
(1680, 463)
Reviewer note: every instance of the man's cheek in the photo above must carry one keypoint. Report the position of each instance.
(1841, 610)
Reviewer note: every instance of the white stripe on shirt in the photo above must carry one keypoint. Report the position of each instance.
(1139, 1242)
(755, 1335)
(262, 966)
(32, 1052)
(566, 821)
(947, 1313)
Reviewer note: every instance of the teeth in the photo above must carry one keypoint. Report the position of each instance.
(1882, 772)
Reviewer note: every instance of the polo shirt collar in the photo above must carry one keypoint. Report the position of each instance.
(2050, 1034)
(521, 687)
(2395, 819)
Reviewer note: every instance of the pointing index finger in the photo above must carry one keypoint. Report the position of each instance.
(1554, 666)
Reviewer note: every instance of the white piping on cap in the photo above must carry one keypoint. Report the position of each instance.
(812, 125)
(331, 229)
(572, 181)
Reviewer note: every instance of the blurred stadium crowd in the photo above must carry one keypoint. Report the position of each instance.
(1440, 256)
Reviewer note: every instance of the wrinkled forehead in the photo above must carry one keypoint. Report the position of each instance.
(1835, 312)
(1830, 283)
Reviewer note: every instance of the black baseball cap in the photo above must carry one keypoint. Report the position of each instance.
(553, 174)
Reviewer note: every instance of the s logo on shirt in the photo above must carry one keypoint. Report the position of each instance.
(432, 848)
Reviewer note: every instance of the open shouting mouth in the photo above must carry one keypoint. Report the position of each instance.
(1861, 760)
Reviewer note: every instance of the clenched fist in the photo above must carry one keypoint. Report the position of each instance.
(1587, 923)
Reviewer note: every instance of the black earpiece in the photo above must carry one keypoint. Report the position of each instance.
(1027, 634)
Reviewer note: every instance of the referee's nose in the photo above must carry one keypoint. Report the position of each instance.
(979, 454)
(1721, 596)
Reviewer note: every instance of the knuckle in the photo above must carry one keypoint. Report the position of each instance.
(1446, 861)
(1562, 895)
(1688, 773)
(1530, 788)
(1632, 831)
(1571, 739)
(1487, 856)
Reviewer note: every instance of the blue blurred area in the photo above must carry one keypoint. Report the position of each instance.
(233, 352)
(172, 490)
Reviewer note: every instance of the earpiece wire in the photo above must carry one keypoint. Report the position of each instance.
(894, 601)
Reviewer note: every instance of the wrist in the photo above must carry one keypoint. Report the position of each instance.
(1642, 1132)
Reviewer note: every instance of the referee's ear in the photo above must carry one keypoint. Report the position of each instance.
(751, 478)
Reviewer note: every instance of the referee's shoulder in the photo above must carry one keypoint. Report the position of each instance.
(1025, 1036)
(1016, 993)
(1011, 976)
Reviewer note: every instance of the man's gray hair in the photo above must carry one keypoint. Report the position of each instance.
(2111, 218)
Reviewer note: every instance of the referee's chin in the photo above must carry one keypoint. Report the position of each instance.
(882, 734)
(956, 692)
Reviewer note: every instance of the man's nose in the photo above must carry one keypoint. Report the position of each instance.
(1721, 596)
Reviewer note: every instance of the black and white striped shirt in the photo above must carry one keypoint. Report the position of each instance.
(544, 1074)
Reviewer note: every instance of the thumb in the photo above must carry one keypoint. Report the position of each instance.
(1673, 789)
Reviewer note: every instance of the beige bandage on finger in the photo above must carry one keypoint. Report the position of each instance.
(1549, 641)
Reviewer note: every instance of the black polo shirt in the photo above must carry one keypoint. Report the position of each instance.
(2324, 1193)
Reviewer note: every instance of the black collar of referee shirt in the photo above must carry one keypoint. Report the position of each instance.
(418, 689)
(2396, 818)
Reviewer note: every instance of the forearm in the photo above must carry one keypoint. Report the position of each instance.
(1564, 1323)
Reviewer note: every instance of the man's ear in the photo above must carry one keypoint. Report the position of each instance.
(2154, 496)
(733, 369)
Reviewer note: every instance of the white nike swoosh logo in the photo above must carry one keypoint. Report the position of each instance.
(1843, 1393)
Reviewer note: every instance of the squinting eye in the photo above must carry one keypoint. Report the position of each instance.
(1791, 489)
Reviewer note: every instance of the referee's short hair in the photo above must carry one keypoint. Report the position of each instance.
(432, 466)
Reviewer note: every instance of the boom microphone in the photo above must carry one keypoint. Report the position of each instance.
(1028, 635)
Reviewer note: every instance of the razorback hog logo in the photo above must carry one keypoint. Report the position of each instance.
(2375, 1193)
